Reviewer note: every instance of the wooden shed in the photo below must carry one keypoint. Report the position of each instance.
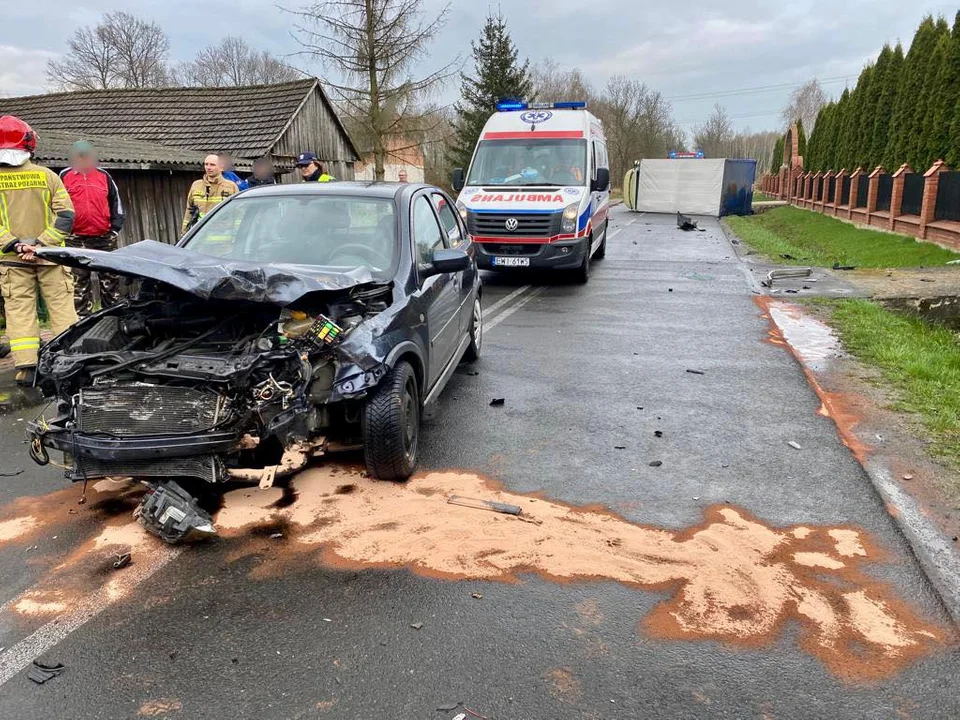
(153, 140)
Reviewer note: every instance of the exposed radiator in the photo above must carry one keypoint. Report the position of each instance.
(203, 467)
(144, 409)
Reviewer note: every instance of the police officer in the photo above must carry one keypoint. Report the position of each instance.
(35, 209)
(311, 169)
(206, 193)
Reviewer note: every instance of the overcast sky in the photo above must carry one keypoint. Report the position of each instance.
(684, 48)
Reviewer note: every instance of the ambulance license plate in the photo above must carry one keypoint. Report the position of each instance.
(511, 262)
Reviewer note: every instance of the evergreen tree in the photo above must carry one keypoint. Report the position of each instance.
(885, 109)
(826, 140)
(776, 161)
(839, 154)
(871, 106)
(863, 126)
(910, 106)
(498, 75)
(934, 57)
(944, 100)
(801, 140)
(815, 143)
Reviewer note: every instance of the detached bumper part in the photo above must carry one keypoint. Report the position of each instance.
(173, 515)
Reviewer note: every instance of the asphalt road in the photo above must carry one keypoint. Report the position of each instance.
(209, 636)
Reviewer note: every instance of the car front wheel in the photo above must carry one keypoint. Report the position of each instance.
(391, 425)
(472, 352)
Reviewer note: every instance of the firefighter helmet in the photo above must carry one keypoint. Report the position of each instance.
(15, 134)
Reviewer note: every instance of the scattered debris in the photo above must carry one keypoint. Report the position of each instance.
(449, 707)
(696, 372)
(787, 256)
(669, 289)
(807, 287)
(838, 266)
(485, 505)
(40, 673)
(416, 625)
(686, 223)
(781, 273)
(475, 714)
(11, 473)
(658, 433)
(655, 463)
(122, 561)
(927, 280)
(791, 291)
(497, 402)
(276, 536)
(908, 477)
(174, 515)
(461, 716)
(639, 407)
(953, 262)
(619, 447)
(476, 596)
(794, 444)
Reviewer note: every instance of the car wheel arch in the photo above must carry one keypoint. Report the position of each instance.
(411, 353)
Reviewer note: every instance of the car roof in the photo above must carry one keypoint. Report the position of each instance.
(373, 189)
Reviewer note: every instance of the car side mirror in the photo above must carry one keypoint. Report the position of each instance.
(446, 260)
(602, 181)
(458, 180)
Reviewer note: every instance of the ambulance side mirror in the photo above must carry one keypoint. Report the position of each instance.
(458, 180)
(602, 181)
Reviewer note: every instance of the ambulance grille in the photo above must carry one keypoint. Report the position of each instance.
(528, 225)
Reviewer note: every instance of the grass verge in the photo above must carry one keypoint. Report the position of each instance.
(919, 361)
(763, 197)
(802, 237)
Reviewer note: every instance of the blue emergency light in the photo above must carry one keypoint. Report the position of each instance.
(510, 104)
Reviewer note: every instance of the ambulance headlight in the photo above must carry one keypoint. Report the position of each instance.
(462, 209)
(570, 214)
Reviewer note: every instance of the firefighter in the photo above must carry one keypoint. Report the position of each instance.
(208, 192)
(312, 169)
(35, 209)
(97, 224)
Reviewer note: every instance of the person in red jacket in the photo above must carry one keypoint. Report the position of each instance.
(99, 219)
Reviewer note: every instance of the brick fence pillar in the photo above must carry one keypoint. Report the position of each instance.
(896, 195)
(836, 196)
(817, 185)
(855, 178)
(872, 188)
(931, 185)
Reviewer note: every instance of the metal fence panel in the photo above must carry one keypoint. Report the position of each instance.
(845, 191)
(884, 191)
(912, 194)
(948, 197)
(831, 189)
(862, 189)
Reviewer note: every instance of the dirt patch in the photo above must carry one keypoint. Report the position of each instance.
(159, 708)
(732, 578)
(563, 685)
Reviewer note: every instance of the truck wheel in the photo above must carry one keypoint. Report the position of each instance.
(582, 273)
(472, 352)
(601, 252)
(391, 425)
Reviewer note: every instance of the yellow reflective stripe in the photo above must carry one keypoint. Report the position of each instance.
(30, 179)
(25, 343)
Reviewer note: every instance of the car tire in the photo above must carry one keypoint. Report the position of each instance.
(391, 425)
(601, 252)
(582, 274)
(472, 353)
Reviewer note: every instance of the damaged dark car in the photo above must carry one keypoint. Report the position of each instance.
(290, 322)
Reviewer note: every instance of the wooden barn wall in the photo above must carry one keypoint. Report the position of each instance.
(315, 129)
(154, 201)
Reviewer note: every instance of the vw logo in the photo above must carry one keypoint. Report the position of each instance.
(511, 224)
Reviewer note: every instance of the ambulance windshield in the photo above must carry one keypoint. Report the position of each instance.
(529, 162)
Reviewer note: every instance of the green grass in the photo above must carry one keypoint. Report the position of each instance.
(763, 197)
(919, 361)
(809, 238)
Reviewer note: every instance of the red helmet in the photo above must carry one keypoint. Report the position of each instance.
(15, 134)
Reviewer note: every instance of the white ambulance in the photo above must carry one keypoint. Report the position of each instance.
(537, 192)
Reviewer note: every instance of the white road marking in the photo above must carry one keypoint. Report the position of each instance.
(490, 325)
(504, 300)
(24, 652)
(611, 234)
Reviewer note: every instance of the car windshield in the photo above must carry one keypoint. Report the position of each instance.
(337, 232)
(529, 162)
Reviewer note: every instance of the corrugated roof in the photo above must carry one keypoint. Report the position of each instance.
(245, 121)
(53, 148)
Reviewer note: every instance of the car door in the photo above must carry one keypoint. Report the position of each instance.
(456, 237)
(440, 294)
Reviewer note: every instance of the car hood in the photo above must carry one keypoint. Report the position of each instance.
(208, 277)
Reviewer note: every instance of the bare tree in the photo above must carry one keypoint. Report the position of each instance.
(371, 45)
(804, 104)
(551, 83)
(716, 134)
(233, 63)
(121, 51)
